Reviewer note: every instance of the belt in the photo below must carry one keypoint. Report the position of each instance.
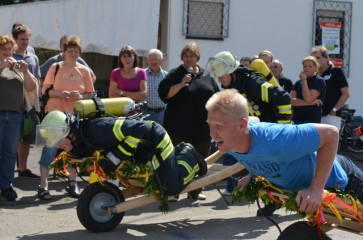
(155, 110)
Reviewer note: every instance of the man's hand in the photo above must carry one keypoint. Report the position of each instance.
(243, 182)
(309, 199)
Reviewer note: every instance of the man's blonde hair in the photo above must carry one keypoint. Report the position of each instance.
(228, 101)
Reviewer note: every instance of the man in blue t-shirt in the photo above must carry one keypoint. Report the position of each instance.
(307, 164)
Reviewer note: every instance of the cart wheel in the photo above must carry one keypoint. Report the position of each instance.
(302, 231)
(90, 205)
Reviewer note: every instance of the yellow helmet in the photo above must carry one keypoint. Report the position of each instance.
(221, 64)
(53, 129)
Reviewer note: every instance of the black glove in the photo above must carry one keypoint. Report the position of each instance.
(107, 165)
(144, 152)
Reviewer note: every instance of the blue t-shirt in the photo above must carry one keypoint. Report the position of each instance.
(286, 156)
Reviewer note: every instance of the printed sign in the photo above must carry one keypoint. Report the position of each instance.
(330, 36)
(337, 62)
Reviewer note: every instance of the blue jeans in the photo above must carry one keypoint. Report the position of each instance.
(232, 181)
(11, 123)
(48, 154)
(355, 177)
(156, 117)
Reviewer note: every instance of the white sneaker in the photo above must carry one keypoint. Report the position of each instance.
(201, 196)
(226, 193)
(173, 198)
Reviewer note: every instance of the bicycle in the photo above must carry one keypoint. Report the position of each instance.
(347, 139)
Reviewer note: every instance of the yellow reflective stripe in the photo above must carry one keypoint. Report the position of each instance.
(156, 162)
(283, 121)
(117, 129)
(132, 141)
(191, 172)
(250, 109)
(163, 142)
(166, 145)
(264, 91)
(123, 150)
(166, 152)
(253, 112)
(284, 109)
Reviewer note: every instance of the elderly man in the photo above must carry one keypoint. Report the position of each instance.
(276, 69)
(307, 164)
(155, 74)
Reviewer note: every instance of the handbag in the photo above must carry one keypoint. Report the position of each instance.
(27, 121)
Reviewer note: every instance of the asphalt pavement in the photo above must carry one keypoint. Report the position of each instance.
(29, 218)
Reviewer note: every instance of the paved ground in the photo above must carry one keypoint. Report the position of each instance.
(29, 218)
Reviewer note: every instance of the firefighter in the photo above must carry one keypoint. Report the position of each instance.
(265, 101)
(125, 139)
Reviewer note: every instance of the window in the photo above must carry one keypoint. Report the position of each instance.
(332, 28)
(206, 19)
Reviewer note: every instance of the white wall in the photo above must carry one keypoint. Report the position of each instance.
(281, 26)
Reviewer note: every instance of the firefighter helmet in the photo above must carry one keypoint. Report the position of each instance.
(53, 129)
(221, 64)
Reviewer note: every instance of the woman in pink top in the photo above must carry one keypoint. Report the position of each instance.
(128, 80)
(72, 82)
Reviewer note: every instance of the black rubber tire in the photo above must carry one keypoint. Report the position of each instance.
(89, 207)
(353, 144)
(302, 231)
(355, 148)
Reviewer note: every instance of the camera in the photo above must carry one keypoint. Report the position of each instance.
(15, 64)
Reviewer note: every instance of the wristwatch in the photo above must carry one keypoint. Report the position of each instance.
(334, 109)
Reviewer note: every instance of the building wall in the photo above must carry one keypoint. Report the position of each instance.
(284, 27)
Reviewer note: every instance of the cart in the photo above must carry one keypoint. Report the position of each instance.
(101, 208)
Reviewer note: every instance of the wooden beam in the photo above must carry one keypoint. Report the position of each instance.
(196, 184)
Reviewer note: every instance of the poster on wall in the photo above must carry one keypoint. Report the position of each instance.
(330, 37)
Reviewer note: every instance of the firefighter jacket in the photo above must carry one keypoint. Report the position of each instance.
(137, 141)
(265, 101)
(125, 138)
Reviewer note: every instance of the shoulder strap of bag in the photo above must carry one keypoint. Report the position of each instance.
(45, 97)
(27, 105)
(56, 69)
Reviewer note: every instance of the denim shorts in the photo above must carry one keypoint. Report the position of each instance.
(48, 154)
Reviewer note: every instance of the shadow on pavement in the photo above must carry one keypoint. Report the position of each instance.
(234, 228)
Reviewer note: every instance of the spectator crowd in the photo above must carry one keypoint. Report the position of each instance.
(176, 99)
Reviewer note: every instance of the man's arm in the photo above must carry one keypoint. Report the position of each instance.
(310, 198)
(341, 101)
(282, 101)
